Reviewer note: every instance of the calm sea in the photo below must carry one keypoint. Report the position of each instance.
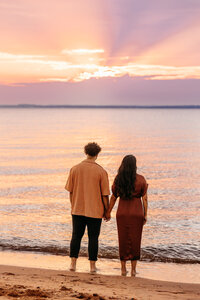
(39, 146)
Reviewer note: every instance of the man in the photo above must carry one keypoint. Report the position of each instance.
(89, 190)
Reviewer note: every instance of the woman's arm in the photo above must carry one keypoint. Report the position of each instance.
(111, 205)
(145, 205)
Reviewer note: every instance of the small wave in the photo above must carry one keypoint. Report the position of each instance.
(151, 254)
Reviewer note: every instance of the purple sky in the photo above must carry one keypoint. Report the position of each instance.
(105, 91)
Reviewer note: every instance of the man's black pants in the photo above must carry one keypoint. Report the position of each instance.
(93, 227)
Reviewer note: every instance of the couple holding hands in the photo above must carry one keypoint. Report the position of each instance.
(89, 190)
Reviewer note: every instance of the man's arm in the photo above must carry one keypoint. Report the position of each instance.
(105, 200)
(70, 197)
(70, 182)
(112, 203)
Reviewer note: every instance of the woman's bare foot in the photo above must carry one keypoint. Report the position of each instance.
(123, 268)
(93, 268)
(133, 273)
(133, 268)
(124, 273)
(73, 264)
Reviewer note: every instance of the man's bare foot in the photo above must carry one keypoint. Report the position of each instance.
(73, 264)
(93, 268)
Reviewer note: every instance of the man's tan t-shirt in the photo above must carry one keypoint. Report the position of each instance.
(88, 182)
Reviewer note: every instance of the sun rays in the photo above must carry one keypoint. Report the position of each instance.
(75, 41)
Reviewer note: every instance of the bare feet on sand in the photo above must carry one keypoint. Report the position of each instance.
(133, 273)
(123, 268)
(124, 273)
(93, 268)
(73, 264)
(133, 268)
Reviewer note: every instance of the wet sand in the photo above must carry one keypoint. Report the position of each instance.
(34, 283)
(185, 273)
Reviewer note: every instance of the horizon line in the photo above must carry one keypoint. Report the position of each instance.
(193, 106)
(95, 106)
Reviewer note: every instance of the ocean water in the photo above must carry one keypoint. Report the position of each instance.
(40, 145)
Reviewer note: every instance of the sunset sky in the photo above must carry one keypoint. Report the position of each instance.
(100, 52)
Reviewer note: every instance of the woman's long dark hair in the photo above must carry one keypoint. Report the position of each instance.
(125, 180)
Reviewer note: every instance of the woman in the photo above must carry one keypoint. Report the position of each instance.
(131, 215)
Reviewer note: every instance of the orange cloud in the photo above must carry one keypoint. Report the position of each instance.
(19, 68)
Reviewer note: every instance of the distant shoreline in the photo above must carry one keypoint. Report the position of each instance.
(104, 106)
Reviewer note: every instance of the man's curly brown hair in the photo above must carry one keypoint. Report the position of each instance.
(92, 149)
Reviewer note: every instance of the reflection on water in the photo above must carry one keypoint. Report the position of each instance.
(39, 146)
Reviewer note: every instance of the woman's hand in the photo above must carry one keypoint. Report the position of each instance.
(145, 220)
(107, 216)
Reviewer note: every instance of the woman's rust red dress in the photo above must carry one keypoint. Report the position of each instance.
(130, 218)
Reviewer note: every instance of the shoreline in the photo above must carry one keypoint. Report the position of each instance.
(111, 267)
(108, 253)
(36, 283)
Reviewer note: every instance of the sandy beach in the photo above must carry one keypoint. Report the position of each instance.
(35, 283)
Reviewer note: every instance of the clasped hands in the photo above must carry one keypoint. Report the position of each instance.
(107, 216)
